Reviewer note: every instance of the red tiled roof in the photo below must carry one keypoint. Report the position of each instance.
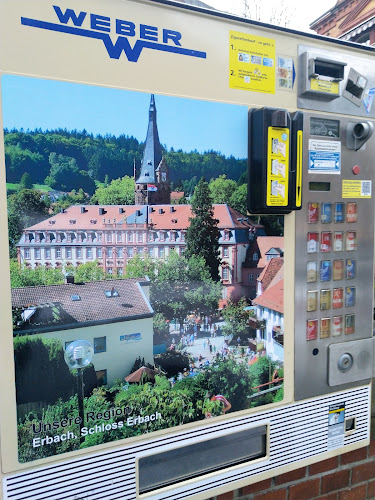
(265, 243)
(270, 271)
(272, 298)
(136, 376)
(72, 218)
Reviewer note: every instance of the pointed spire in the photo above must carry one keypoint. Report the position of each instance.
(152, 154)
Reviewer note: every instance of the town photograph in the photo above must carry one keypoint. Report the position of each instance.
(143, 295)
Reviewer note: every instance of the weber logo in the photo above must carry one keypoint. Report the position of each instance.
(102, 27)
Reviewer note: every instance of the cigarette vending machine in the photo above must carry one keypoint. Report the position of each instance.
(163, 336)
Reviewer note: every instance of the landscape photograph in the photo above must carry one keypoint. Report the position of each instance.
(144, 297)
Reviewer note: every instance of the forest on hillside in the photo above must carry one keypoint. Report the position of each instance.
(66, 160)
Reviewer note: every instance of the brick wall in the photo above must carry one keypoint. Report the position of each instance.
(350, 476)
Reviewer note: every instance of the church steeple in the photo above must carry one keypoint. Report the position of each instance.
(152, 185)
(152, 154)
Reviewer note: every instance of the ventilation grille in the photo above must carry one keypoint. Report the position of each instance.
(297, 431)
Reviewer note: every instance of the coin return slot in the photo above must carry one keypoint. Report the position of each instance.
(350, 424)
(187, 462)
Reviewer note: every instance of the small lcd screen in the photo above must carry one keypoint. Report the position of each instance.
(319, 186)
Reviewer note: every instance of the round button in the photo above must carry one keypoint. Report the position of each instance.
(356, 170)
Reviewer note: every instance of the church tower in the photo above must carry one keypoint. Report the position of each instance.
(152, 184)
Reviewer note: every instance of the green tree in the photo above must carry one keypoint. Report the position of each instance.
(183, 285)
(236, 317)
(238, 199)
(89, 271)
(25, 208)
(118, 192)
(138, 267)
(26, 276)
(65, 174)
(221, 189)
(202, 236)
(26, 182)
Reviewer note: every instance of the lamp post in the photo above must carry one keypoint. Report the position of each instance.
(77, 356)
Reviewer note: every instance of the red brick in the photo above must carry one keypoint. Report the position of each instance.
(226, 496)
(324, 466)
(371, 448)
(330, 496)
(305, 491)
(335, 481)
(253, 488)
(363, 472)
(371, 489)
(272, 495)
(355, 493)
(354, 456)
(291, 476)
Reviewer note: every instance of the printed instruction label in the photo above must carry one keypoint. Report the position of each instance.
(324, 86)
(324, 157)
(356, 189)
(336, 426)
(277, 167)
(251, 62)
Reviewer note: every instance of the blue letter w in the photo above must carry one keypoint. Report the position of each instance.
(70, 14)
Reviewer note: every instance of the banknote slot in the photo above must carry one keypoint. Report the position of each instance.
(187, 462)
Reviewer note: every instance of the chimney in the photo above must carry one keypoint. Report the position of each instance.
(69, 279)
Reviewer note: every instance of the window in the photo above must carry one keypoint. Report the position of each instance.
(100, 236)
(89, 253)
(182, 236)
(172, 236)
(140, 238)
(37, 253)
(79, 253)
(119, 237)
(130, 237)
(47, 253)
(130, 253)
(151, 236)
(100, 344)
(27, 253)
(99, 253)
(226, 235)
(58, 253)
(251, 278)
(255, 256)
(101, 377)
(109, 237)
(162, 236)
(225, 251)
(110, 253)
(161, 252)
(68, 253)
(120, 271)
(119, 253)
(151, 252)
(109, 270)
(225, 273)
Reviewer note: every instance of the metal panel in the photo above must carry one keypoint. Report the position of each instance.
(311, 356)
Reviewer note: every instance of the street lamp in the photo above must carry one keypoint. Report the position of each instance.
(77, 356)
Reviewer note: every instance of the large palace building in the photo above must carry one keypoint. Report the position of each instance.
(113, 234)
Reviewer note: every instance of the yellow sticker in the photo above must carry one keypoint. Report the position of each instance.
(277, 167)
(251, 62)
(356, 189)
(324, 86)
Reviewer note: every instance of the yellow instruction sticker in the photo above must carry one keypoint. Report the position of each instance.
(277, 167)
(251, 62)
(324, 86)
(356, 189)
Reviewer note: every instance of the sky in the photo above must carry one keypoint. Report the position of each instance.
(186, 124)
(302, 13)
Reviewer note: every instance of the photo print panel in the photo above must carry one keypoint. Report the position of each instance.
(143, 295)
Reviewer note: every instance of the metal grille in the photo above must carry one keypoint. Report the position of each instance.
(297, 431)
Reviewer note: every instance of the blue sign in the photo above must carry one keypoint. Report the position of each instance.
(324, 161)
